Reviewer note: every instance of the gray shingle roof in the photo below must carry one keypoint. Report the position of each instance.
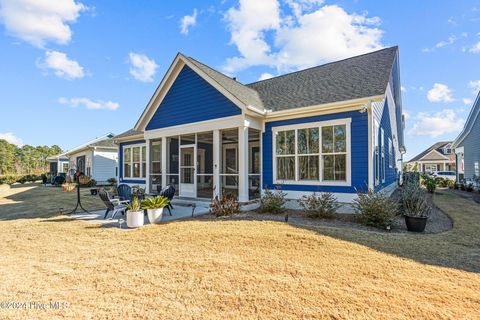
(128, 133)
(357, 77)
(437, 146)
(243, 93)
(108, 143)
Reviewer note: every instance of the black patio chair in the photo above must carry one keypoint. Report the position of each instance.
(113, 205)
(124, 192)
(58, 180)
(168, 192)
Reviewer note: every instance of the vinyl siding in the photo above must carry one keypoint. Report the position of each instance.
(191, 99)
(359, 153)
(104, 164)
(390, 173)
(471, 145)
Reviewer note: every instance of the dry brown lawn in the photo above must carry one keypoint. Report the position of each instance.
(234, 269)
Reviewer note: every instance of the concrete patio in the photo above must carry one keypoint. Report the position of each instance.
(182, 210)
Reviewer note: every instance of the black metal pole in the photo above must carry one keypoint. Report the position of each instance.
(79, 202)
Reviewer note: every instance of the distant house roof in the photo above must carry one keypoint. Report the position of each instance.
(109, 143)
(97, 142)
(128, 134)
(438, 147)
(472, 117)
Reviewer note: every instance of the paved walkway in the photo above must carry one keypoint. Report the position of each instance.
(179, 212)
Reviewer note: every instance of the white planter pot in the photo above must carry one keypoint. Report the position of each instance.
(155, 215)
(134, 219)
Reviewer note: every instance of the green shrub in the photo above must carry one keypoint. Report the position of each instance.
(322, 205)
(272, 201)
(411, 177)
(22, 180)
(456, 186)
(8, 179)
(462, 186)
(413, 201)
(451, 184)
(469, 187)
(112, 181)
(375, 209)
(226, 206)
(430, 184)
(441, 182)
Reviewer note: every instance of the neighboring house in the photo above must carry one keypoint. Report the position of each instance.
(97, 158)
(58, 164)
(467, 145)
(439, 157)
(337, 127)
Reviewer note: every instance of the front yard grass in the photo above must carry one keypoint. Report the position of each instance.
(235, 269)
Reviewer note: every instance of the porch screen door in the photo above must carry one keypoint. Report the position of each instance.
(187, 172)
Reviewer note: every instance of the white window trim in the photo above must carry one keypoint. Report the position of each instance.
(130, 146)
(348, 181)
(390, 153)
(376, 153)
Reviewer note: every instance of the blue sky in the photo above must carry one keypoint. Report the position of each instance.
(74, 70)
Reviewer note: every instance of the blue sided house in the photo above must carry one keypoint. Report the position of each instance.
(337, 127)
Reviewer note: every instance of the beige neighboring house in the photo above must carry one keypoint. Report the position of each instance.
(97, 158)
(439, 157)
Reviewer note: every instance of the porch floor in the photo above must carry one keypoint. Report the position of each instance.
(182, 210)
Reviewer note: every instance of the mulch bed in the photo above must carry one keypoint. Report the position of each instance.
(437, 222)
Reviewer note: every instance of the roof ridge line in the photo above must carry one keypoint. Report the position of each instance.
(321, 65)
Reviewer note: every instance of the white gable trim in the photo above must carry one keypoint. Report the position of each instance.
(177, 65)
(472, 118)
(441, 155)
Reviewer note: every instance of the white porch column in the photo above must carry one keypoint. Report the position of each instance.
(216, 162)
(147, 166)
(164, 162)
(242, 164)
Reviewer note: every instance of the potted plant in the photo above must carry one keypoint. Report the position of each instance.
(154, 207)
(84, 179)
(416, 208)
(134, 214)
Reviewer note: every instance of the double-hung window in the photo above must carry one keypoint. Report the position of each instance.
(134, 161)
(313, 153)
(334, 152)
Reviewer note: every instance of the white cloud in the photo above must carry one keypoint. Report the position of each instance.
(61, 65)
(437, 124)
(142, 67)
(10, 137)
(188, 21)
(403, 89)
(475, 86)
(447, 42)
(89, 104)
(440, 93)
(265, 76)
(475, 48)
(467, 101)
(311, 36)
(39, 21)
